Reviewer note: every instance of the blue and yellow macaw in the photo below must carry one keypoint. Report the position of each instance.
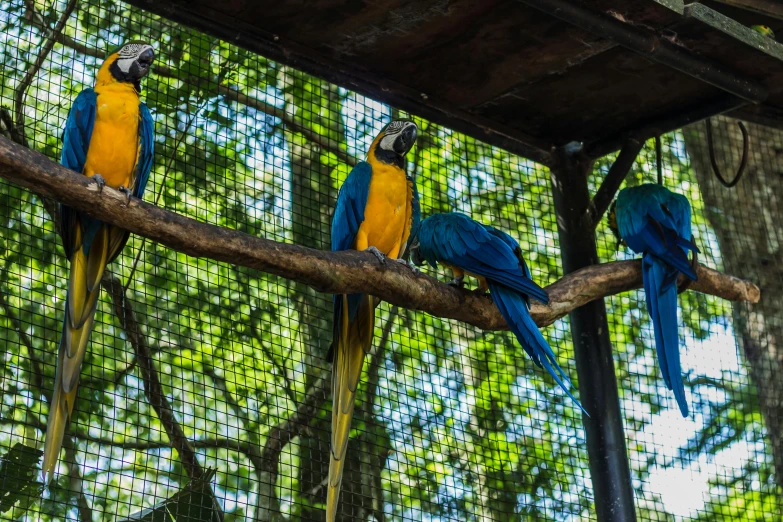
(655, 222)
(108, 136)
(376, 209)
(495, 259)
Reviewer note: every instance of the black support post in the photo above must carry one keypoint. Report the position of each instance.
(611, 474)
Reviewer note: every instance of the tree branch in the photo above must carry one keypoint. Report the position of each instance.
(75, 481)
(614, 178)
(21, 90)
(36, 19)
(27, 342)
(242, 415)
(288, 386)
(153, 388)
(281, 434)
(213, 442)
(232, 94)
(330, 272)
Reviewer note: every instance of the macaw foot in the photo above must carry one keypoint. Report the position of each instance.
(378, 254)
(127, 193)
(407, 263)
(457, 282)
(98, 180)
(687, 283)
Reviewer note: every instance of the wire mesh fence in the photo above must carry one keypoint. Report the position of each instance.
(451, 423)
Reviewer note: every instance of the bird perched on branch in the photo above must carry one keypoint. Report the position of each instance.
(495, 259)
(763, 29)
(109, 137)
(655, 222)
(376, 208)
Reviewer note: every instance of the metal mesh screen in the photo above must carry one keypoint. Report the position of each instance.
(196, 365)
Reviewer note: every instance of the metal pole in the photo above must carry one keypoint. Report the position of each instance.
(609, 469)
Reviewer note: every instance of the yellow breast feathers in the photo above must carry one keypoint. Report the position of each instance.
(114, 146)
(387, 216)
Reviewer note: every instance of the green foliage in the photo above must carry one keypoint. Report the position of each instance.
(453, 424)
(18, 473)
(195, 503)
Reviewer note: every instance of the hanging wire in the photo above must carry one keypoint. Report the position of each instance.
(713, 161)
(659, 159)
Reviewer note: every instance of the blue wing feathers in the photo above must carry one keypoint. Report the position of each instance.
(351, 202)
(460, 241)
(146, 150)
(457, 240)
(514, 310)
(661, 296)
(76, 143)
(78, 130)
(348, 216)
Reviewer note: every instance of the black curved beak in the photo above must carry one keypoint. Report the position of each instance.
(405, 140)
(416, 257)
(145, 60)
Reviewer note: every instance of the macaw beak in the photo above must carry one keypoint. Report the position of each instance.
(143, 63)
(416, 257)
(405, 140)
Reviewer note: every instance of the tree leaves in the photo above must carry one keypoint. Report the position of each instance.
(18, 478)
(195, 503)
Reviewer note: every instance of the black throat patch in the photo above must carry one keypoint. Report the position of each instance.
(389, 156)
(123, 77)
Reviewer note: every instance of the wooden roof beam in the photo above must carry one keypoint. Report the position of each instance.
(653, 47)
(772, 8)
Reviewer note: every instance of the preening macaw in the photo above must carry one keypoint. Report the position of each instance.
(655, 222)
(375, 211)
(495, 259)
(108, 136)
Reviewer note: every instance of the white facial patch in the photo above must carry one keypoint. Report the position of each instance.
(394, 128)
(128, 54)
(387, 142)
(125, 64)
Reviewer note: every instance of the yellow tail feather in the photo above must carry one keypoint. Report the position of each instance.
(83, 292)
(59, 415)
(354, 343)
(96, 261)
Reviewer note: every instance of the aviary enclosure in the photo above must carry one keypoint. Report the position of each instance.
(205, 393)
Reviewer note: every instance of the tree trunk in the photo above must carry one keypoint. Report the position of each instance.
(748, 222)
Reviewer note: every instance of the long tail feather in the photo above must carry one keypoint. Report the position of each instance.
(76, 333)
(661, 296)
(353, 344)
(513, 307)
(81, 302)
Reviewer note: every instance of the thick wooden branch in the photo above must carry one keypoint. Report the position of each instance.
(330, 272)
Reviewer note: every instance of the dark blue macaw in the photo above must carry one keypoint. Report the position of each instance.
(655, 222)
(495, 259)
